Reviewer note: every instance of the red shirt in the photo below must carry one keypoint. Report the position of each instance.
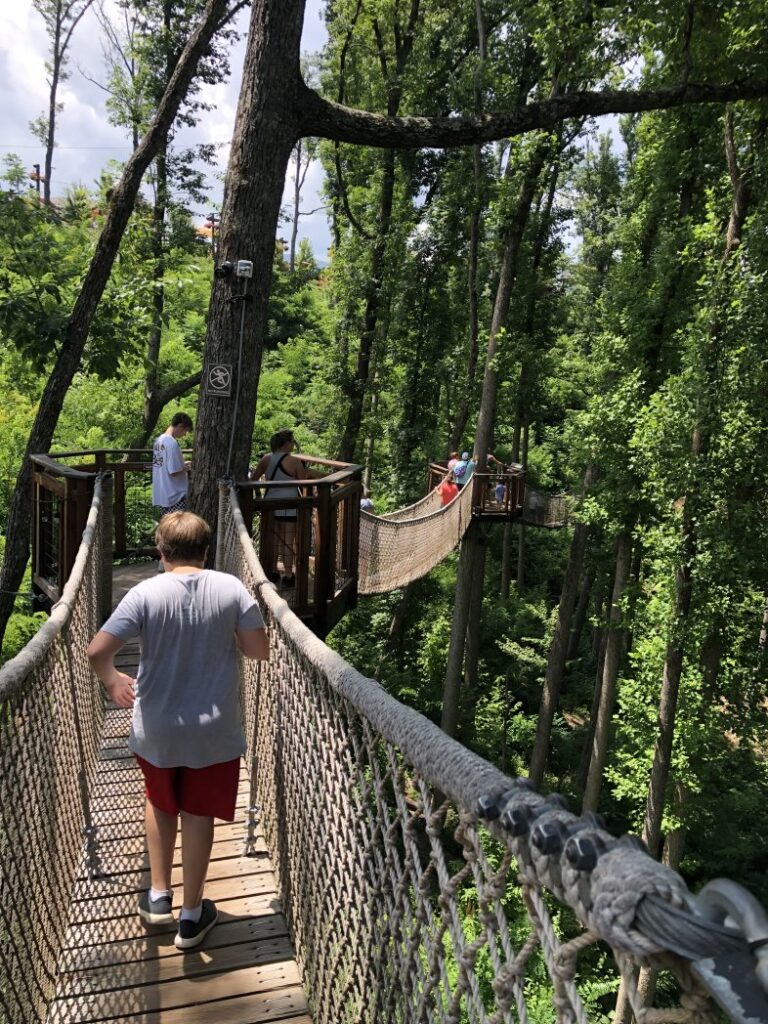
(447, 491)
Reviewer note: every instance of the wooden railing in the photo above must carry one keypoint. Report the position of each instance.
(494, 495)
(325, 538)
(327, 522)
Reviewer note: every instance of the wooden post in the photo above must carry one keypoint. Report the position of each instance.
(324, 559)
(105, 597)
(245, 497)
(303, 541)
(119, 512)
(76, 504)
(353, 542)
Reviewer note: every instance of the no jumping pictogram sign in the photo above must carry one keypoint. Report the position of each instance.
(219, 380)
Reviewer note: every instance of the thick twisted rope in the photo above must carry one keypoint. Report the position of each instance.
(51, 713)
(400, 872)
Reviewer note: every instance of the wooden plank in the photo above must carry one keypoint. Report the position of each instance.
(232, 866)
(108, 908)
(133, 813)
(132, 927)
(116, 832)
(287, 1005)
(157, 943)
(234, 957)
(125, 1004)
(126, 861)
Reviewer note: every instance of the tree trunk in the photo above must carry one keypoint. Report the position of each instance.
(474, 245)
(613, 652)
(580, 616)
(76, 331)
(393, 642)
(297, 182)
(50, 141)
(506, 547)
(506, 562)
(762, 641)
(507, 276)
(375, 288)
(586, 750)
(265, 133)
(472, 644)
(670, 689)
(471, 554)
(522, 529)
(370, 443)
(553, 679)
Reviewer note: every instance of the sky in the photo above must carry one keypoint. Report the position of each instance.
(86, 140)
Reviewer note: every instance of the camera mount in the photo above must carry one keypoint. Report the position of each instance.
(228, 269)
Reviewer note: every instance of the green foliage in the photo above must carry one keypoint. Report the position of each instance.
(629, 337)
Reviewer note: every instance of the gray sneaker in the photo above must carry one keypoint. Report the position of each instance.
(156, 911)
(192, 933)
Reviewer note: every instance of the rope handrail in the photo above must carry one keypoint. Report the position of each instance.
(386, 833)
(51, 713)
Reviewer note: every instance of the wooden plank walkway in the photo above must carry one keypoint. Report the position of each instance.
(115, 968)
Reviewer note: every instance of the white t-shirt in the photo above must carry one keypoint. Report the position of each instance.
(187, 708)
(166, 459)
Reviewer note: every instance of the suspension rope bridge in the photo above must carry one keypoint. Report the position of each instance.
(416, 882)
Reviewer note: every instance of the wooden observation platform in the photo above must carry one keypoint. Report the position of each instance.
(507, 497)
(325, 513)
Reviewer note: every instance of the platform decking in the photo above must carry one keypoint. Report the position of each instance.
(115, 968)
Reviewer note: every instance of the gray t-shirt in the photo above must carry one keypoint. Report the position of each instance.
(187, 709)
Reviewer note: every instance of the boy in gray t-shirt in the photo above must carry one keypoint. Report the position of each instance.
(186, 733)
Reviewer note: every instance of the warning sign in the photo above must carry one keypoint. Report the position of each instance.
(219, 380)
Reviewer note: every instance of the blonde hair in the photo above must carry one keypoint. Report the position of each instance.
(183, 537)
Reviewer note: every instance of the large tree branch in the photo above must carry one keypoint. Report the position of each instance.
(181, 387)
(329, 120)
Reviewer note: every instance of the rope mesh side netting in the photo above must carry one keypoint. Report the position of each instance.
(403, 546)
(542, 509)
(421, 884)
(51, 714)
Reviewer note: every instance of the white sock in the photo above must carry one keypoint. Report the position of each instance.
(193, 915)
(158, 894)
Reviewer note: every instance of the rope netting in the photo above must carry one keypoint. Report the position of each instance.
(403, 546)
(420, 883)
(543, 509)
(51, 714)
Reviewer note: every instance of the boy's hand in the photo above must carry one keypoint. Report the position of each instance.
(121, 688)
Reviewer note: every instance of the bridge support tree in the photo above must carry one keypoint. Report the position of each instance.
(78, 326)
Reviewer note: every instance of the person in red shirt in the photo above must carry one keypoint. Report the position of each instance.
(447, 489)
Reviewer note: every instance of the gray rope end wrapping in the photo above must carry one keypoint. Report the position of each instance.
(635, 904)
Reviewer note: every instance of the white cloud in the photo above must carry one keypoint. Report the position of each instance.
(86, 140)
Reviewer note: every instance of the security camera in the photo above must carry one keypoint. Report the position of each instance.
(224, 270)
(244, 268)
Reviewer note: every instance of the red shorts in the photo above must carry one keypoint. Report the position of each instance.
(209, 792)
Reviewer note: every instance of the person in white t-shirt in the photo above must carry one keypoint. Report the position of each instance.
(170, 473)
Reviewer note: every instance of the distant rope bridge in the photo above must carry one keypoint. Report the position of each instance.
(399, 547)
